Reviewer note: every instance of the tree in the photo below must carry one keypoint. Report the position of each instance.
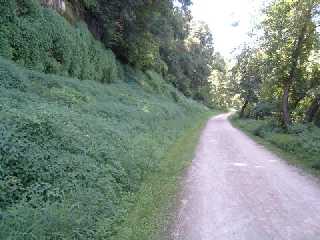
(247, 77)
(289, 36)
(201, 51)
(220, 84)
(156, 35)
(313, 94)
(190, 62)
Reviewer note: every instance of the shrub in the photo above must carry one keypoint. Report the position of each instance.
(297, 128)
(262, 110)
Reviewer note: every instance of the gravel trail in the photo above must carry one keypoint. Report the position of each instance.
(235, 189)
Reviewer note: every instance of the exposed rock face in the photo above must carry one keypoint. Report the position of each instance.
(59, 5)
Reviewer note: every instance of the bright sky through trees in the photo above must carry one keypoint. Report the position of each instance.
(229, 20)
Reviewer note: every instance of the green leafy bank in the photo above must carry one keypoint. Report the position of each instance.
(89, 38)
(73, 154)
(83, 159)
(300, 144)
(40, 39)
(151, 215)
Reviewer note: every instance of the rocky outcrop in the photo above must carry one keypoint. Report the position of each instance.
(59, 5)
(73, 11)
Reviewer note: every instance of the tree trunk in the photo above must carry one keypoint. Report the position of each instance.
(313, 109)
(296, 54)
(285, 106)
(243, 108)
(293, 70)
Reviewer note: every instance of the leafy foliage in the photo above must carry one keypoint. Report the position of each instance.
(40, 39)
(285, 64)
(147, 35)
(74, 153)
(71, 152)
(221, 92)
(284, 99)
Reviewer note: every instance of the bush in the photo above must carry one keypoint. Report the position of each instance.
(262, 110)
(297, 128)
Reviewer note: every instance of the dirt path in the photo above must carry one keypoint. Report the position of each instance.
(235, 189)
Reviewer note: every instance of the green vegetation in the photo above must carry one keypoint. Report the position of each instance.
(158, 35)
(152, 35)
(155, 203)
(277, 81)
(95, 121)
(74, 153)
(40, 39)
(279, 77)
(300, 145)
(83, 159)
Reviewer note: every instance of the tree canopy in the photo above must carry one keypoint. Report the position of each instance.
(281, 73)
(158, 35)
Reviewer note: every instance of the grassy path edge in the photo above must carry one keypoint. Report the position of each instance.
(155, 203)
(290, 158)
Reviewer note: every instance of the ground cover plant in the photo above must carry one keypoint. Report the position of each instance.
(152, 214)
(40, 39)
(77, 156)
(71, 151)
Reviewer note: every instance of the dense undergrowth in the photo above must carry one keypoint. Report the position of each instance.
(40, 39)
(301, 142)
(153, 209)
(71, 151)
(77, 157)
(147, 35)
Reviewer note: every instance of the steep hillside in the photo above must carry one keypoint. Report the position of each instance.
(40, 39)
(71, 150)
(81, 133)
(95, 39)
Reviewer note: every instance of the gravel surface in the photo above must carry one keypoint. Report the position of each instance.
(236, 189)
